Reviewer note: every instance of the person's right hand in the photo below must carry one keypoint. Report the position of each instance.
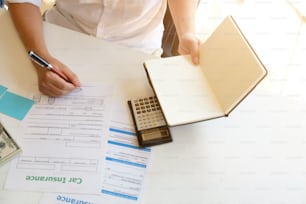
(29, 25)
(53, 85)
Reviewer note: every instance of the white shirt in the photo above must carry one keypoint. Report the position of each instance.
(133, 23)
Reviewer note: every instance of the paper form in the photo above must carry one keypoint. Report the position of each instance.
(123, 172)
(58, 198)
(125, 163)
(63, 140)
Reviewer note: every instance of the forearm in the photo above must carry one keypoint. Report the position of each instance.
(28, 22)
(183, 14)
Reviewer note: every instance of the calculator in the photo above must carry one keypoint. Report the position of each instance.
(150, 124)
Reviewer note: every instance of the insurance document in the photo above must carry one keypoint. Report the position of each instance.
(125, 164)
(123, 171)
(63, 141)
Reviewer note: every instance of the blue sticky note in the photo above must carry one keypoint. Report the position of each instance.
(2, 90)
(15, 105)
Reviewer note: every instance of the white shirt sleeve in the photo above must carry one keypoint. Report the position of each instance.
(35, 2)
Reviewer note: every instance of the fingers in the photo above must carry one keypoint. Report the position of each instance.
(195, 53)
(190, 44)
(53, 84)
(73, 78)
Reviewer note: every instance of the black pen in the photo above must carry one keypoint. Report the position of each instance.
(44, 64)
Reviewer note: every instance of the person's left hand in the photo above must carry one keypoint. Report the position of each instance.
(190, 44)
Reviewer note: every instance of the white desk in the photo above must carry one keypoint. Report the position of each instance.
(94, 61)
(257, 155)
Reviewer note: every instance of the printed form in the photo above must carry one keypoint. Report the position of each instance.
(123, 171)
(63, 140)
(74, 151)
(125, 164)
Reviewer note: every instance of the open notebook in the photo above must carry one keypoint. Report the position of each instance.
(228, 71)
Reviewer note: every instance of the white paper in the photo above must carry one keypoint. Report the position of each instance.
(125, 163)
(58, 198)
(63, 140)
(123, 171)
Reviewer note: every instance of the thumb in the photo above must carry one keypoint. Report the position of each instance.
(195, 51)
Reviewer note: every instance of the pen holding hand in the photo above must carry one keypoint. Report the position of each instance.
(57, 82)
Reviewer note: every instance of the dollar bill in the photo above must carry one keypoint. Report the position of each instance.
(8, 147)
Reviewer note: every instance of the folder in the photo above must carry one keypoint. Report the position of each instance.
(228, 71)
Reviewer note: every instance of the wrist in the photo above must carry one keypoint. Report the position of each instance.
(186, 35)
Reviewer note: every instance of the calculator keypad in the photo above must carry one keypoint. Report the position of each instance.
(148, 113)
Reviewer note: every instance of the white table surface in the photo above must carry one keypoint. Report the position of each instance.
(256, 155)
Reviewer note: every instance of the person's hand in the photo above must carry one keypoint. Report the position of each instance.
(53, 85)
(190, 44)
